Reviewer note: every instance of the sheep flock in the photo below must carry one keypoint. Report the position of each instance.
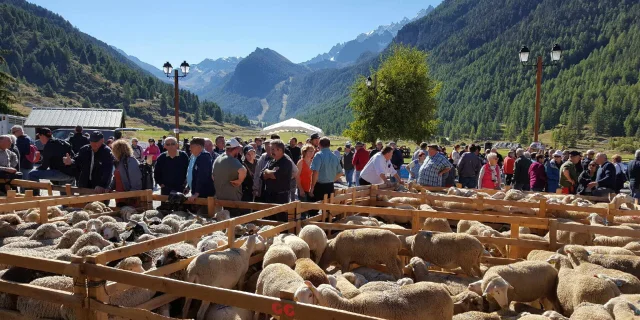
(438, 273)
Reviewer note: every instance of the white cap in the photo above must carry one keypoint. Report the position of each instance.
(558, 153)
(232, 143)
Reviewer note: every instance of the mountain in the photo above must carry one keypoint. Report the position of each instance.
(209, 73)
(58, 65)
(155, 71)
(345, 54)
(259, 85)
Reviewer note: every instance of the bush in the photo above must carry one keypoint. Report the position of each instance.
(627, 148)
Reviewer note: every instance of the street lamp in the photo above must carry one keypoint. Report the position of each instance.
(556, 54)
(167, 68)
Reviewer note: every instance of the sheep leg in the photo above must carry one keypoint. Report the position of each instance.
(203, 310)
(185, 309)
(241, 281)
(393, 267)
(476, 269)
(468, 270)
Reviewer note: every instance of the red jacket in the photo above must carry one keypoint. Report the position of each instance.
(509, 165)
(537, 175)
(360, 159)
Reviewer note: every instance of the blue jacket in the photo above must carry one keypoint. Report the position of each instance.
(202, 182)
(23, 143)
(606, 176)
(633, 174)
(553, 175)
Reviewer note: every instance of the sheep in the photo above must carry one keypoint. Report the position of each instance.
(476, 315)
(279, 277)
(455, 284)
(34, 308)
(568, 237)
(436, 224)
(94, 225)
(626, 282)
(87, 251)
(392, 226)
(554, 315)
(222, 312)
(213, 241)
(632, 246)
(615, 241)
(416, 301)
(78, 216)
(80, 225)
(621, 308)
(361, 221)
(7, 230)
(279, 254)
(575, 288)
(173, 223)
(628, 264)
(224, 269)
(598, 249)
(316, 239)
(449, 250)
(132, 296)
(308, 270)
(89, 239)
(513, 194)
(299, 246)
(96, 207)
(356, 279)
(366, 247)
(467, 301)
(105, 219)
(372, 274)
(126, 212)
(507, 283)
(174, 253)
(344, 285)
(112, 230)
(45, 232)
(11, 218)
(385, 285)
(160, 229)
(542, 255)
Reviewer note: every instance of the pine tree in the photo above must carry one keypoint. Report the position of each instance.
(164, 107)
(6, 95)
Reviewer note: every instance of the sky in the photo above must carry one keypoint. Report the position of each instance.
(156, 31)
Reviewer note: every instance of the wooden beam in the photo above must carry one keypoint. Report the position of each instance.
(41, 264)
(130, 313)
(41, 293)
(158, 301)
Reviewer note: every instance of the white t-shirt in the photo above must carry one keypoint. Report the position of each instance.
(455, 156)
(375, 167)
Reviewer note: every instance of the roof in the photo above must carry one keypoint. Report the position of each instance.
(71, 117)
(291, 125)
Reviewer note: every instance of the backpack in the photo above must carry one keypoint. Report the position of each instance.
(34, 154)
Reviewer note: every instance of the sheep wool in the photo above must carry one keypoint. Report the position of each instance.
(516, 282)
(357, 279)
(345, 286)
(310, 271)
(89, 239)
(575, 288)
(299, 246)
(279, 253)
(466, 301)
(39, 309)
(476, 315)
(77, 216)
(11, 218)
(628, 264)
(45, 232)
(449, 250)
(7, 230)
(626, 282)
(455, 284)
(621, 308)
(316, 239)
(543, 255)
(366, 247)
(436, 224)
(598, 250)
(222, 312)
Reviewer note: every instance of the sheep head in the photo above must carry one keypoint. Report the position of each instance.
(131, 264)
(356, 279)
(46, 231)
(404, 281)
(169, 256)
(306, 293)
(467, 301)
(475, 287)
(222, 215)
(553, 315)
(497, 289)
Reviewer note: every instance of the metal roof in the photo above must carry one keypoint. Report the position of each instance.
(71, 117)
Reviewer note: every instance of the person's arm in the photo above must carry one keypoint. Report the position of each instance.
(480, 175)
(316, 163)
(447, 167)
(107, 170)
(339, 172)
(354, 160)
(298, 177)
(204, 165)
(257, 176)
(314, 179)
(157, 171)
(567, 175)
(242, 173)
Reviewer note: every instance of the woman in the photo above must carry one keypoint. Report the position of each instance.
(249, 163)
(621, 175)
(303, 180)
(414, 166)
(586, 177)
(489, 177)
(127, 175)
(509, 167)
(137, 149)
(552, 167)
(537, 175)
(152, 150)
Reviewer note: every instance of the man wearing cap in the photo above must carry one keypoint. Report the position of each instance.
(377, 149)
(469, 168)
(347, 164)
(199, 171)
(220, 145)
(170, 171)
(78, 140)
(294, 150)
(228, 174)
(53, 167)
(360, 159)
(552, 168)
(521, 179)
(605, 182)
(277, 177)
(93, 164)
(587, 159)
(314, 140)
(434, 167)
(326, 170)
(568, 173)
(423, 148)
(397, 159)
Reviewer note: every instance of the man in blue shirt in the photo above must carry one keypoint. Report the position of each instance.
(199, 177)
(433, 168)
(605, 182)
(326, 169)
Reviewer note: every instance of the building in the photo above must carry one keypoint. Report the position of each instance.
(7, 121)
(69, 118)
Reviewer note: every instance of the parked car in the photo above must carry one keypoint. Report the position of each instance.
(66, 133)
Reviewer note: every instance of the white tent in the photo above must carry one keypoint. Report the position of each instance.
(291, 125)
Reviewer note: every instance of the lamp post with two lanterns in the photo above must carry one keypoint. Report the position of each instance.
(556, 54)
(167, 69)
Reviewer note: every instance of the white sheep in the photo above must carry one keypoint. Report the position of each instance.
(621, 308)
(455, 284)
(77, 216)
(575, 288)
(132, 296)
(628, 264)
(367, 247)
(361, 221)
(89, 239)
(299, 246)
(436, 224)
(8, 230)
(310, 271)
(598, 250)
(449, 250)
(315, 237)
(46, 231)
(222, 312)
(506, 283)
(213, 241)
(358, 280)
(34, 308)
(279, 253)
(224, 269)
(279, 277)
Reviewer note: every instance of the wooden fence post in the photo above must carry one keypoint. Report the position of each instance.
(231, 232)
(542, 210)
(28, 193)
(553, 234)
(44, 215)
(11, 194)
(479, 202)
(80, 289)
(415, 221)
(515, 234)
(298, 216)
(96, 290)
(67, 190)
(611, 212)
(211, 207)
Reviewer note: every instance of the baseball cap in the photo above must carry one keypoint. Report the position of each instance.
(246, 149)
(348, 145)
(359, 144)
(314, 135)
(434, 146)
(558, 153)
(575, 153)
(96, 136)
(232, 143)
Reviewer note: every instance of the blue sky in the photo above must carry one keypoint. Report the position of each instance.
(159, 30)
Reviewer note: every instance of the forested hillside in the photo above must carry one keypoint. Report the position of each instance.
(74, 69)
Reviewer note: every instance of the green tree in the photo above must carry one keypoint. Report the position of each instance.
(6, 96)
(404, 94)
(164, 107)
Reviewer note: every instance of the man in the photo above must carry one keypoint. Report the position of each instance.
(53, 167)
(375, 150)
(93, 164)
(378, 168)
(258, 147)
(521, 180)
(423, 148)
(397, 159)
(314, 140)
(455, 155)
(326, 170)
(137, 149)
(161, 144)
(568, 173)
(633, 174)
(8, 159)
(509, 167)
(199, 171)
(23, 143)
(360, 159)
(537, 174)
(605, 177)
(587, 159)
(433, 168)
(258, 183)
(347, 164)
(208, 146)
(552, 169)
(469, 168)
(228, 174)
(170, 171)
(220, 142)
(186, 147)
(294, 150)
(78, 140)
(277, 177)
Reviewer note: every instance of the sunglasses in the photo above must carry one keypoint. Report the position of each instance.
(169, 144)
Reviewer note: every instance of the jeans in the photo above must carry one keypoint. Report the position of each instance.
(469, 182)
(356, 177)
(51, 175)
(349, 175)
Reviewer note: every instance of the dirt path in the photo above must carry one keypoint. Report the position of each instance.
(265, 108)
(283, 113)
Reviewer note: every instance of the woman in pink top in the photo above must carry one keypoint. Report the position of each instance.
(152, 150)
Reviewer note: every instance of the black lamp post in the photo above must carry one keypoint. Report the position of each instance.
(167, 69)
(556, 54)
